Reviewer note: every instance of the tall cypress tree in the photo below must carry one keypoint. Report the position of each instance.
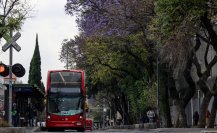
(35, 77)
(35, 67)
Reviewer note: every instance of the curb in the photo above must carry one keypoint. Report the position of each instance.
(36, 129)
(13, 130)
(135, 126)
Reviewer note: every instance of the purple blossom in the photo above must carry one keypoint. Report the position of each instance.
(105, 17)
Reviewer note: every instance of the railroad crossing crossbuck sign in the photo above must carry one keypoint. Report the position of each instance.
(12, 42)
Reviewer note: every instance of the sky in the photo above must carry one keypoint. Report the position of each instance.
(53, 26)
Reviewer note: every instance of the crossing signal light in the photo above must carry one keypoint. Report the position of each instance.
(18, 70)
(4, 70)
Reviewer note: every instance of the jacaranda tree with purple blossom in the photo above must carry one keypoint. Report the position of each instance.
(117, 48)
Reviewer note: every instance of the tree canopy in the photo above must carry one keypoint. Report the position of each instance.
(129, 48)
(13, 13)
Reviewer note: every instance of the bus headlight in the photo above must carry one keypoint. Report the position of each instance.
(48, 117)
(78, 123)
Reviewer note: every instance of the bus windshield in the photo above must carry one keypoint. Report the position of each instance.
(65, 104)
(65, 95)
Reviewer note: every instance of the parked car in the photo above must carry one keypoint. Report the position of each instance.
(89, 124)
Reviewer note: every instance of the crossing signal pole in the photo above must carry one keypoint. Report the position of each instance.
(10, 85)
(11, 44)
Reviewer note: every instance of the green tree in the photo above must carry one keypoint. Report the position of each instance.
(111, 59)
(116, 53)
(35, 77)
(12, 15)
(35, 67)
(175, 25)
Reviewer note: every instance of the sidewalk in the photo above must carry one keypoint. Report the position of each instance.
(19, 129)
(166, 130)
(152, 128)
(32, 129)
(186, 130)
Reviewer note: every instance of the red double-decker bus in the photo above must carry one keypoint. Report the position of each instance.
(65, 101)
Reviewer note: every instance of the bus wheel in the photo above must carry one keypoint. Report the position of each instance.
(55, 129)
(50, 130)
(81, 130)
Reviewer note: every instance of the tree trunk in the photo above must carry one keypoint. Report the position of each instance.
(203, 76)
(181, 121)
(165, 108)
(117, 104)
(213, 113)
(165, 117)
(203, 109)
(126, 115)
(182, 100)
(209, 27)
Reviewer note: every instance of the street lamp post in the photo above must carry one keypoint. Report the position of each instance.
(123, 115)
(104, 111)
(198, 96)
(110, 115)
(103, 119)
(158, 85)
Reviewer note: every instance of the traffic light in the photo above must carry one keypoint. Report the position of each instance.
(18, 70)
(4, 70)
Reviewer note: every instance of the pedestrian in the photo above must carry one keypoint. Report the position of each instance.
(207, 118)
(14, 115)
(144, 119)
(119, 118)
(195, 118)
(31, 116)
(107, 121)
(151, 115)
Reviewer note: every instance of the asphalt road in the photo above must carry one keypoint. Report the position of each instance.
(159, 130)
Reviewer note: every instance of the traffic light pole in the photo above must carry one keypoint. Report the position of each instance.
(10, 84)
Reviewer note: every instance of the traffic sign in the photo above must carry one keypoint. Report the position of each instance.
(12, 43)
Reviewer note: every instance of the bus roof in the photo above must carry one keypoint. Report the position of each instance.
(73, 70)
